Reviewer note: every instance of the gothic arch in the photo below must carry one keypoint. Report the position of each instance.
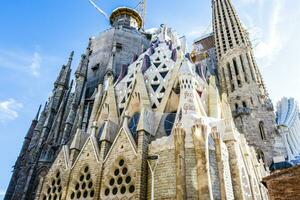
(262, 130)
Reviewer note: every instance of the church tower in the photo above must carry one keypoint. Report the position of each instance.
(241, 80)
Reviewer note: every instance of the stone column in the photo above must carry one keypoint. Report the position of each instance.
(234, 162)
(39, 189)
(218, 140)
(200, 139)
(179, 143)
(142, 165)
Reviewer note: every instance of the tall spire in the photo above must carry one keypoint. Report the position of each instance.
(241, 80)
(65, 72)
(38, 113)
(82, 68)
(228, 29)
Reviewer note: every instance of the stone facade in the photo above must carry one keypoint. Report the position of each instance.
(241, 80)
(154, 129)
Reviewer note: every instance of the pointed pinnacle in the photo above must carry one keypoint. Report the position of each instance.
(38, 113)
(70, 58)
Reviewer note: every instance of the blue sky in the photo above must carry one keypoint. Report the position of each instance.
(36, 38)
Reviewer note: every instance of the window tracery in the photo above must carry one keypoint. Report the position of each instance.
(54, 189)
(120, 182)
(84, 186)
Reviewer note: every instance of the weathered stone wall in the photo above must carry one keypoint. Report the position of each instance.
(284, 184)
(165, 172)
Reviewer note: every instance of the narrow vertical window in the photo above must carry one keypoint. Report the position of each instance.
(243, 68)
(249, 64)
(235, 67)
(244, 104)
(229, 71)
(262, 130)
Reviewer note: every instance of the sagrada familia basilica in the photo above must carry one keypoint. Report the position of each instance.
(146, 119)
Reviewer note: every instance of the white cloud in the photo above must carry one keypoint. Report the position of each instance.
(9, 110)
(273, 43)
(36, 64)
(18, 60)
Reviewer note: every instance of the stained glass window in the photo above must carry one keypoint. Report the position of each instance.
(169, 122)
(133, 123)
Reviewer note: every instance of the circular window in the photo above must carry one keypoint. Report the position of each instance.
(72, 195)
(125, 170)
(133, 123)
(92, 193)
(107, 192)
(123, 190)
(78, 194)
(57, 175)
(90, 185)
(81, 178)
(115, 191)
(169, 122)
(53, 182)
(86, 169)
(77, 186)
(120, 180)
(112, 182)
(121, 163)
(83, 186)
(128, 179)
(131, 189)
(88, 176)
(117, 172)
(85, 194)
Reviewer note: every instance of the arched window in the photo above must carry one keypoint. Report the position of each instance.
(244, 104)
(236, 106)
(133, 123)
(169, 122)
(235, 67)
(262, 130)
(229, 71)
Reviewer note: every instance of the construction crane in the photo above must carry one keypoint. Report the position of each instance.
(142, 8)
(99, 9)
